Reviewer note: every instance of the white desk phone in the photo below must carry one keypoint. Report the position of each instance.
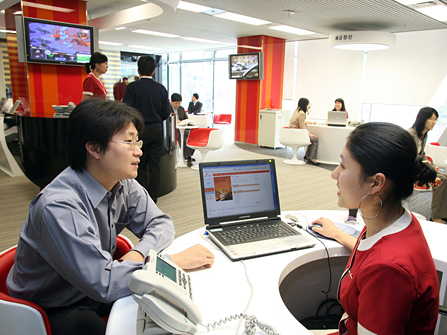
(164, 295)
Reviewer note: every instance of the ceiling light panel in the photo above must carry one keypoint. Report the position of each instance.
(293, 30)
(155, 33)
(143, 47)
(242, 18)
(192, 7)
(110, 43)
(438, 12)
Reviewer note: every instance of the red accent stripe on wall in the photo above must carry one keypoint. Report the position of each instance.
(253, 95)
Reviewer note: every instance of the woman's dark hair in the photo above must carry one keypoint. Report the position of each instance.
(424, 114)
(343, 108)
(97, 58)
(97, 120)
(302, 104)
(381, 147)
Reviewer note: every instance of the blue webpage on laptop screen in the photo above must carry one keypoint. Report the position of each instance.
(239, 189)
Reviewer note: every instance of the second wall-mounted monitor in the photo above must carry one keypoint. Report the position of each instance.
(56, 42)
(246, 66)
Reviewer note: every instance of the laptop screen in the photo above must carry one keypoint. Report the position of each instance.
(239, 190)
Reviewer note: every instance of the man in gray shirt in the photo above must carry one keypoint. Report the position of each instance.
(63, 260)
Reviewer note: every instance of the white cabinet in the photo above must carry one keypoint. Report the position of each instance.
(270, 121)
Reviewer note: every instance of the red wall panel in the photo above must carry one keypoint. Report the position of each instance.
(253, 95)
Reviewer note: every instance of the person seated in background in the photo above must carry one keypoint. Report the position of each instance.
(390, 284)
(195, 106)
(298, 120)
(63, 260)
(176, 100)
(339, 106)
(425, 121)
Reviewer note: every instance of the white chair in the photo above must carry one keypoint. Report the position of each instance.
(203, 121)
(437, 153)
(294, 138)
(204, 140)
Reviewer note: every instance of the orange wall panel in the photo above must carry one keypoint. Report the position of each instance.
(254, 95)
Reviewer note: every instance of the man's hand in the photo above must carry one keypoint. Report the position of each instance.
(194, 257)
(132, 255)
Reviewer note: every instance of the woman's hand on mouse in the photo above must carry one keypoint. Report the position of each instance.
(327, 229)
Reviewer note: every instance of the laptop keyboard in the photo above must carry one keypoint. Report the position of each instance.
(253, 233)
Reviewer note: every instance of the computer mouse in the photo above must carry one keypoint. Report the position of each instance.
(318, 225)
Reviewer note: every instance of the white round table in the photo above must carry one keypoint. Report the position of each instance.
(331, 141)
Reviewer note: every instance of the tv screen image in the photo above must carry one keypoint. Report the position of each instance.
(56, 42)
(246, 66)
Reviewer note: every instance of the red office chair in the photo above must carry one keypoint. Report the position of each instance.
(204, 140)
(222, 119)
(18, 316)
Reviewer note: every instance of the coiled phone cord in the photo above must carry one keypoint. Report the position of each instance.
(251, 322)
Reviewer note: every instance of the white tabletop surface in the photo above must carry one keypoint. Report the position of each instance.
(223, 290)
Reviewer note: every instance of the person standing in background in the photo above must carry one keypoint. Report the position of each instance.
(119, 89)
(176, 100)
(298, 120)
(93, 87)
(195, 106)
(151, 100)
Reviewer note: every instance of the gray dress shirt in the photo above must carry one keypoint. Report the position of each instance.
(66, 245)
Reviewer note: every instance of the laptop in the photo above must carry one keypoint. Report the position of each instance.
(337, 119)
(242, 211)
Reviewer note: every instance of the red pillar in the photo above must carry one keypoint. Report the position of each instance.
(254, 95)
(39, 86)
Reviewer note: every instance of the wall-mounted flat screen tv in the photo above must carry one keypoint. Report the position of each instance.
(57, 42)
(246, 66)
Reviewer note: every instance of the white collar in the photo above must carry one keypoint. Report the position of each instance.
(150, 77)
(396, 227)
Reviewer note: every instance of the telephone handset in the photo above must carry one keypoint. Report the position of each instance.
(164, 295)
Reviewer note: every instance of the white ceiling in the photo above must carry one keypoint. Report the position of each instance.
(321, 16)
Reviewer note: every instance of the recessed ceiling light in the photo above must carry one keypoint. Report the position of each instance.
(202, 40)
(110, 43)
(242, 18)
(293, 30)
(192, 7)
(438, 12)
(156, 33)
(409, 2)
(19, 12)
(120, 28)
(143, 47)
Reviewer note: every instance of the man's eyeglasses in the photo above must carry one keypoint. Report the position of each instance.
(132, 144)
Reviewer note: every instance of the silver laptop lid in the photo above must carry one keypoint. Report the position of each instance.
(337, 118)
(238, 191)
